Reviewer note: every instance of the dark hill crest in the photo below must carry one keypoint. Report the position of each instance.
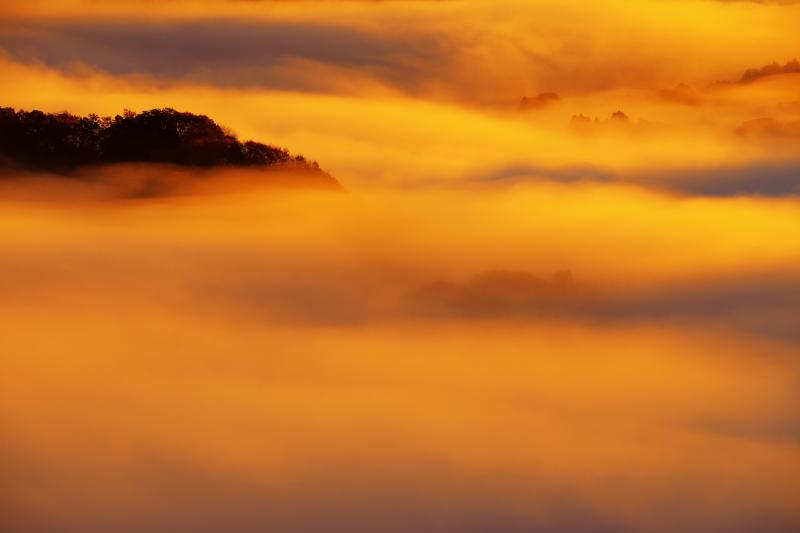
(62, 142)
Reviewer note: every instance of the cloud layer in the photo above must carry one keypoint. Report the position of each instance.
(509, 320)
(280, 360)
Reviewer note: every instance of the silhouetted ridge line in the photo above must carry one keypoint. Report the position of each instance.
(63, 142)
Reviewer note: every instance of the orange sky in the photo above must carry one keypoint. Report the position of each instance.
(346, 82)
(408, 354)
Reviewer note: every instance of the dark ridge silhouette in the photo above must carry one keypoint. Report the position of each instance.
(753, 75)
(582, 124)
(773, 69)
(619, 116)
(681, 94)
(539, 101)
(507, 293)
(61, 142)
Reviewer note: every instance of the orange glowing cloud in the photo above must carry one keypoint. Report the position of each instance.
(557, 290)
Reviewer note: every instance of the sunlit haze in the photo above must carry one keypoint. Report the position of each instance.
(489, 266)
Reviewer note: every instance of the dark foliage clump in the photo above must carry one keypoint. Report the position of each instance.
(62, 142)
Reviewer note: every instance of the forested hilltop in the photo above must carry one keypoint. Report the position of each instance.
(62, 142)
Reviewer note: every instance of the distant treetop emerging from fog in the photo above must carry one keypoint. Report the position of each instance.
(63, 142)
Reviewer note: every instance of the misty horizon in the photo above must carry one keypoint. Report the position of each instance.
(309, 266)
